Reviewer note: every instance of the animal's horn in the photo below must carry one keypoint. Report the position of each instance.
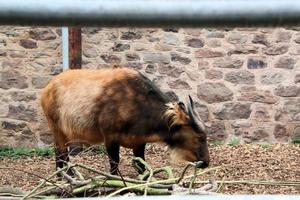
(194, 117)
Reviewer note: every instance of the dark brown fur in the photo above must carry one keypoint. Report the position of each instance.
(117, 107)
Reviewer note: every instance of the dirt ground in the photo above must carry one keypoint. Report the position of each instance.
(280, 162)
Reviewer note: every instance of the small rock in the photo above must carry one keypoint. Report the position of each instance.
(13, 125)
(23, 96)
(151, 69)
(40, 82)
(206, 53)
(214, 92)
(111, 59)
(171, 39)
(228, 62)
(12, 79)
(131, 35)
(283, 36)
(156, 58)
(22, 112)
(297, 78)
(240, 77)
(276, 50)
(243, 49)
(254, 63)
(260, 39)
(215, 34)
(119, 47)
(170, 70)
(233, 110)
(286, 91)
(286, 63)
(28, 44)
(3, 53)
(216, 131)
(258, 96)
(262, 113)
(134, 65)
(42, 34)
(56, 70)
(271, 78)
(177, 58)
(213, 74)
(132, 57)
(281, 133)
(258, 135)
(236, 38)
(179, 84)
(195, 43)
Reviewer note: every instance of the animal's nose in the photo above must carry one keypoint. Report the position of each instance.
(204, 164)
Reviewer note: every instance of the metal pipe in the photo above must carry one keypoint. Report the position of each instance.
(65, 47)
(150, 13)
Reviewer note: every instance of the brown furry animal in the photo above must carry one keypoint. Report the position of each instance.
(119, 107)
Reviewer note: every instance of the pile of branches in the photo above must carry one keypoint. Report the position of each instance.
(105, 184)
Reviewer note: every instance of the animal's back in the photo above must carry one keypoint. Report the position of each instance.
(85, 104)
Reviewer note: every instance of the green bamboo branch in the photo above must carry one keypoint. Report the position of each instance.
(255, 182)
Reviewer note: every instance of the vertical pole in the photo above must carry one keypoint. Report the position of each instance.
(65, 48)
(75, 48)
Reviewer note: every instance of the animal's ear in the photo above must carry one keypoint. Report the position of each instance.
(176, 114)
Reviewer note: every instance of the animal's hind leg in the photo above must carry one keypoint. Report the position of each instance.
(139, 152)
(113, 149)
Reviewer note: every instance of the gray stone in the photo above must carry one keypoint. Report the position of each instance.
(286, 91)
(172, 96)
(12, 79)
(177, 58)
(3, 43)
(132, 57)
(163, 47)
(56, 70)
(42, 34)
(131, 35)
(90, 51)
(206, 53)
(111, 59)
(3, 53)
(156, 58)
(216, 131)
(22, 96)
(213, 74)
(290, 111)
(26, 139)
(254, 63)
(215, 34)
(134, 65)
(256, 136)
(243, 49)
(18, 54)
(233, 110)
(174, 30)
(15, 126)
(28, 44)
(297, 78)
(236, 38)
(179, 84)
(258, 96)
(171, 39)
(202, 111)
(271, 78)
(276, 50)
(214, 92)
(119, 47)
(240, 77)
(170, 70)
(241, 128)
(214, 43)
(22, 112)
(286, 63)
(260, 39)
(195, 43)
(202, 64)
(151, 69)
(228, 62)
(40, 82)
(261, 113)
(283, 36)
(281, 133)
(297, 40)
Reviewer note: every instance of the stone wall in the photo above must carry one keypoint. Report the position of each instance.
(245, 80)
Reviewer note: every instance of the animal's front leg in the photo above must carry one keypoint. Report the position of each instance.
(139, 152)
(113, 154)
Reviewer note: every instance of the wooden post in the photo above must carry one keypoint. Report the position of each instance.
(75, 48)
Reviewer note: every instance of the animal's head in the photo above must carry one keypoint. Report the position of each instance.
(187, 138)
